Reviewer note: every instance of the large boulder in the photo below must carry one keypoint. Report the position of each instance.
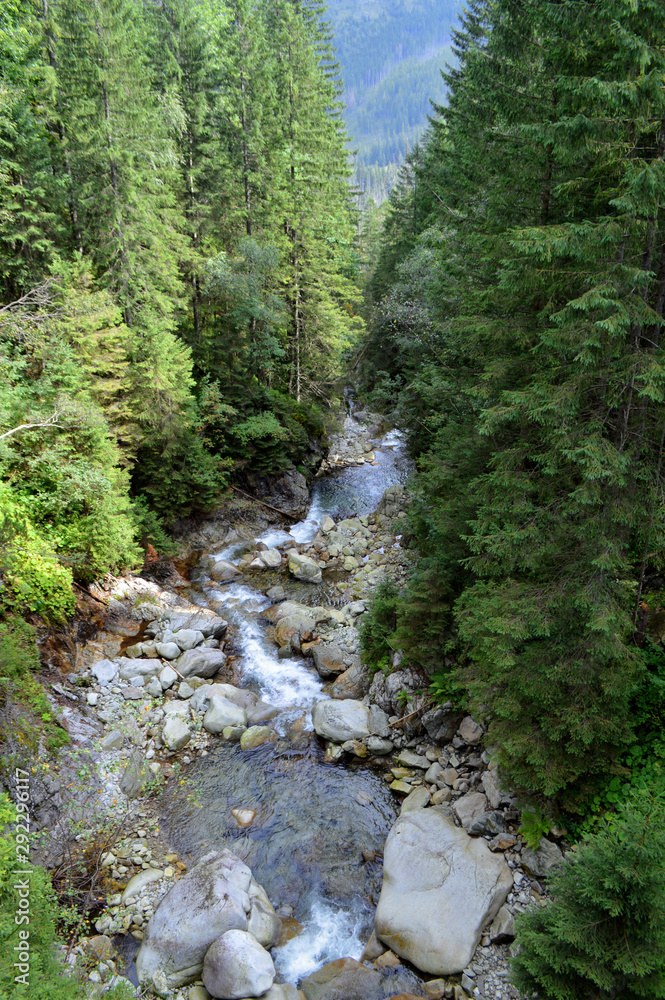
(140, 668)
(387, 691)
(236, 966)
(344, 979)
(205, 903)
(440, 889)
(201, 662)
(340, 721)
(263, 922)
(304, 568)
(353, 683)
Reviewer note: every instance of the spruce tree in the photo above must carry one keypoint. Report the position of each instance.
(603, 935)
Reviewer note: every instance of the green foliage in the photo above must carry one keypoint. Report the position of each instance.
(534, 827)
(603, 935)
(378, 626)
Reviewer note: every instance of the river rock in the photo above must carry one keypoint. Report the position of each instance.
(223, 571)
(236, 966)
(487, 824)
(469, 807)
(344, 979)
(140, 668)
(261, 712)
(176, 733)
(209, 624)
(441, 723)
(470, 731)
(353, 683)
(202, 662)
(540, 862)
(440, 888)
(138, 883)
(222, 713)
(502, 930)
(104, 672)
(271, 558)
(417, 799)
(167, 678)
(188, 638)
(327, 524)
(208, 901)
(386, 691)
(304, 568)
(263, 922)
(379, 747)
(329, 660)
(340, 721)
(255, 736)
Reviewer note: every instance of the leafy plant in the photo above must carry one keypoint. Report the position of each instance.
(534, 827)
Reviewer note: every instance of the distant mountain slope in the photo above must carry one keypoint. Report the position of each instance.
(391, 53)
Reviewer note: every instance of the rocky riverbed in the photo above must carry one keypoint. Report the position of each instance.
(226, 724)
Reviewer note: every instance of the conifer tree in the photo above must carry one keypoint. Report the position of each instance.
(603, 935)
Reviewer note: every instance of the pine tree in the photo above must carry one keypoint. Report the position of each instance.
(603, 935)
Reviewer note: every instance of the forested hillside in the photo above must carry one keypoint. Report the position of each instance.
(391, 58)
(177, 265)
(516, 332)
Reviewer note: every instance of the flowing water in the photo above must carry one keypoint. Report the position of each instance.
(313, 819)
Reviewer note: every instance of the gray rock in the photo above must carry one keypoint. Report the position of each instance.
(469, 807)
(104, 672)
(176, 733)
(135, 776)
(304, 568)
(410, 759)
(470, 731)
(154, 688)
(167, 678)
(353, 683)
(379, 747)
(271, 558)
(417, 799)
(188, 638)
(263, 922)
(344, 979)
(222, 713)
(261, 712)
(223, 571)
(113, 741)
(236, 966)
(138, 883)
(276, 593)
(168, 650)
(487, 824)
(441, 723)
(210, 625)
(205, 903)
(440, 889)
(340, 721)
(140, 668)
(329, 660)
(490, 782)
(256, 736)
(379, 723)
(185, 691)
(434, 772)
(540, 863)
(203, 662)
(502, 930)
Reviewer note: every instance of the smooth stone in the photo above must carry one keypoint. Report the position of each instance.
(434, 772)
(417, 799)
(185, 691)
(304, 568)
(490, 784)
(168, 650)
(410, 759)
(167, 678)
(209, 900)
(138, 883)
(198, 993)
(237, 966)
(379, 747)
(104, 672)
(92, 698)
(261, 712)
(255, 736)
(327, 524)
(233, 733)
(271, 558)
(244, 817)
(263, 922)
(340, 721)
(140, 668)
(223, 571)
(440, 889)
(373, 949)
(154, 688)
(203, 662)
(344, 979)
(188, 638)
(221, 714)
(176, 733)
(470, 731)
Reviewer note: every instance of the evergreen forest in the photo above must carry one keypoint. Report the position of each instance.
(189, 284)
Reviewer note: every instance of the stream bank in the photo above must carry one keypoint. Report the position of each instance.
(309, 816)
